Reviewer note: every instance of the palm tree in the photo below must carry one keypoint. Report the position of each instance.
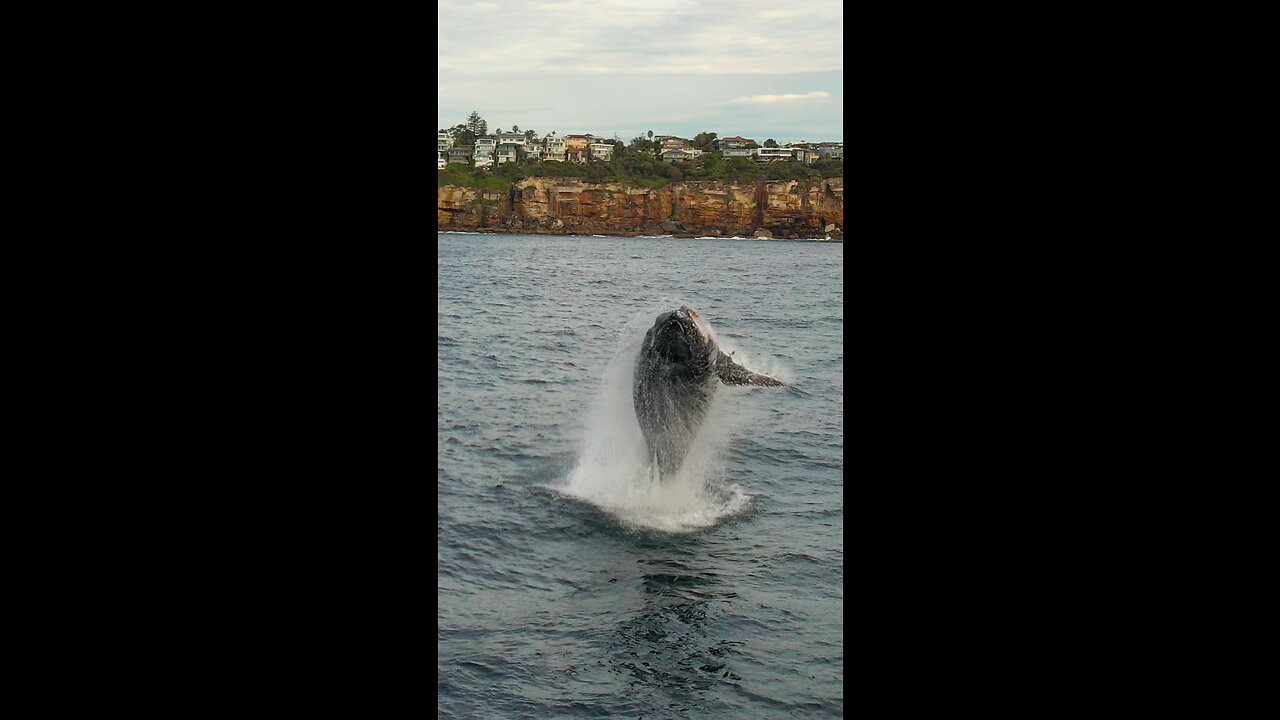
(651, 135)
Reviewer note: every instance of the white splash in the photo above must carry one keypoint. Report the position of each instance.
(613, 470)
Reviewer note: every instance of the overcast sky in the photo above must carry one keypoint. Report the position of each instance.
(676, 67)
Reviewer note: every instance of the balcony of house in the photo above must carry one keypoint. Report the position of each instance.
(600, 151)
(505, 153)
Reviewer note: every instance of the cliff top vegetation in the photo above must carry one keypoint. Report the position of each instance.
(640, 170)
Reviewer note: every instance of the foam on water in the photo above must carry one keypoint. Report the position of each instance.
(614, 472)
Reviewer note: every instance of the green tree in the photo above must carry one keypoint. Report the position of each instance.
(475, 123)
(751, 145)
(703, 140)
(530, 135)
(484, 128)
(650, 135)
(464, 137)
(515, 128)
(770, 143)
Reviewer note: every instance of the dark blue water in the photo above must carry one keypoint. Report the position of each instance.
(569, 583)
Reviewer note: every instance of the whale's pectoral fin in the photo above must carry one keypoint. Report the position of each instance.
(731, 373)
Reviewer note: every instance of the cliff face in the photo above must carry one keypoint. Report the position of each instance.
(569, 205)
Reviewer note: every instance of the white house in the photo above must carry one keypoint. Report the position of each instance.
(737, 152)
(600, 151)
(553, 148)
(483, 152)
(440, 161)
(443, 142)
(831, 151)
(511, 139)
(765, 154)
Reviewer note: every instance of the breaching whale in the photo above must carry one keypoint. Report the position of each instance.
(676, 375)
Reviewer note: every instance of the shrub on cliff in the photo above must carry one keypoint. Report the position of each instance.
(638, 169)
(461, 176)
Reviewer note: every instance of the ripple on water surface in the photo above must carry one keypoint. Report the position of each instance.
(570, 583)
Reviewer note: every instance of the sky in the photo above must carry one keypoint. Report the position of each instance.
(677, 67)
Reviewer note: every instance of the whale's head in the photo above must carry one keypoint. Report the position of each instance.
(681, 337)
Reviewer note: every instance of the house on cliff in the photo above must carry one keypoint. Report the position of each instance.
(576, 154)
(460, 154)
(732, 143)
(803, 154)
(600, 151)
(767, 154)
(553, 148)
(506, 138)
(577, 141)
(505, 153)
(483, 152)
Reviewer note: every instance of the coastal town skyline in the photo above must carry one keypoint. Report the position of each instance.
(674, 67)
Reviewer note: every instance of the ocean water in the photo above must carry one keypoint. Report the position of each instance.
(569, 582)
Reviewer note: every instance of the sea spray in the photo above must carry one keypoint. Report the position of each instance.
(614, 472)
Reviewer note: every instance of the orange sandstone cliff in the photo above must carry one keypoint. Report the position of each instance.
(572, 206)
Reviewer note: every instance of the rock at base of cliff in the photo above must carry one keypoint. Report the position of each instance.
(761, 232)
(829, 228)
(558, 223)
(670, 225)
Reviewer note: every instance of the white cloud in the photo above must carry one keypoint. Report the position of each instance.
(663, 65)
(779, 98)
(652, 37)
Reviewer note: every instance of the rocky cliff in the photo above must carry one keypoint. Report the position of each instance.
(568, 205)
